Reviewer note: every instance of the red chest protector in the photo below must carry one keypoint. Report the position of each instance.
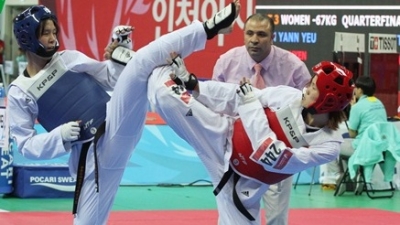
(242, 149)
(286, 130)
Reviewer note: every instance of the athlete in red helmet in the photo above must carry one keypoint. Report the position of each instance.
(249, 139)
(334, 85)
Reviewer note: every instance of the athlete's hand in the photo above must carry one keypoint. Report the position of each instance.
(122, 33)
(245, 91)
(120, 37)
(180, 74)
(179, 68)
(70, 131)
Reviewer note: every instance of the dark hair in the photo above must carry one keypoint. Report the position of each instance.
(367, 85)
(336, 118)
(262, 17)
(42, 26)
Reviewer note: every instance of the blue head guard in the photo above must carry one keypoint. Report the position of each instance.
(25, 29)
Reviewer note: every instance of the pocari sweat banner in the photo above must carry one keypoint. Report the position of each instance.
(6, 154)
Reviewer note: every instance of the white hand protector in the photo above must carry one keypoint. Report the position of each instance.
(70, 131)
(272, 154)
(246, 93)
(122, 55)
(178, 65)
(122, 34)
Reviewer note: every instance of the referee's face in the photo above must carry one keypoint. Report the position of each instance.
(258, 39)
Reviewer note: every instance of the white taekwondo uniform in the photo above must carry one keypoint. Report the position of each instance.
(207, 123)
(125, 115)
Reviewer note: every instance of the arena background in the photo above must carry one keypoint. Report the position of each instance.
(307, 28)
(324, 30)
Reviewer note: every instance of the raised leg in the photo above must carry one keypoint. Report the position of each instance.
(221, 22)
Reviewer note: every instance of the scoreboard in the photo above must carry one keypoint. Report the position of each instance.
(361, 35)
(309, 28)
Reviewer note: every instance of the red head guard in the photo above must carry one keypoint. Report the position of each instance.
(335, 87)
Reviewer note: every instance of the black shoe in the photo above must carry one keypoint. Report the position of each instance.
(220, 21)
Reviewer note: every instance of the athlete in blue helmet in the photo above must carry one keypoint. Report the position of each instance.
(66, 92)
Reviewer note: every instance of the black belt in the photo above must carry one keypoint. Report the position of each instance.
(80, 177)
(239, 205)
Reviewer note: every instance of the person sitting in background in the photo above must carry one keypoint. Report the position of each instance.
(365, 110)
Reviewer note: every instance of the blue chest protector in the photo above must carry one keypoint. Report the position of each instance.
(63, 96)
(74, 97)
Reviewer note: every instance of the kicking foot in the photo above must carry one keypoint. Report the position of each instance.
(222, 22)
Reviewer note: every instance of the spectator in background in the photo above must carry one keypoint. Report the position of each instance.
(365, 110)
(266, 65)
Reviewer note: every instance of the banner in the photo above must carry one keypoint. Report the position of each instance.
(6, 155)
(151, 19)
(160, 157)
(43, 181)
(310, 29)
